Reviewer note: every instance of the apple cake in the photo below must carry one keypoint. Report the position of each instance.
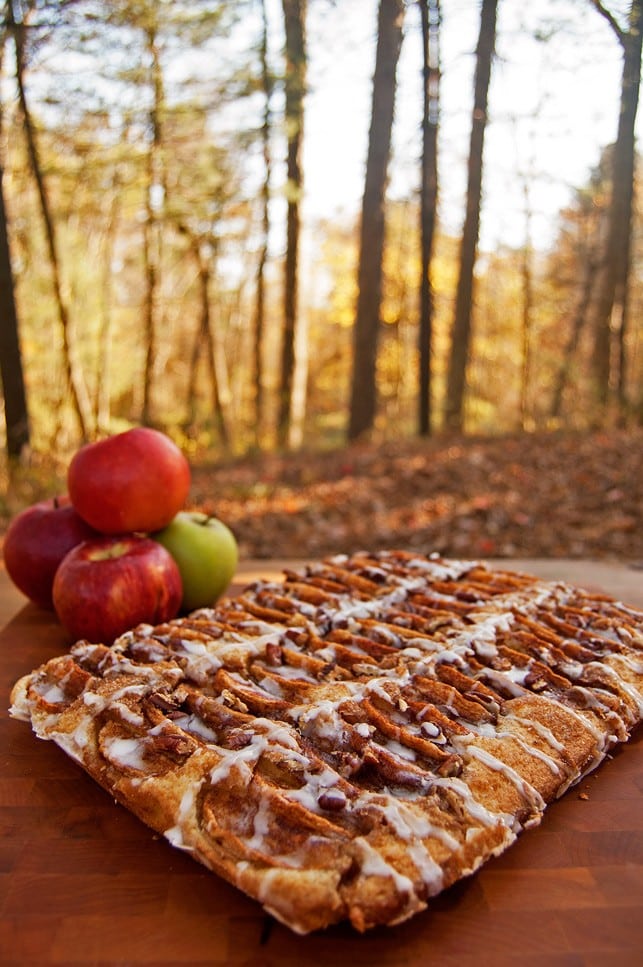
(348, 741)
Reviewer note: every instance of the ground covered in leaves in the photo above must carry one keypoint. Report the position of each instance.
(549, 495)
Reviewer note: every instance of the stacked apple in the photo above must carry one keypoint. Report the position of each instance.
(120, 548)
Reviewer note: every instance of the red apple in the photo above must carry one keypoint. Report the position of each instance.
(134, 481)
(107, 585)
(36, 541)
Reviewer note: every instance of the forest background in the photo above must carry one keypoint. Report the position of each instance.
(404, 236)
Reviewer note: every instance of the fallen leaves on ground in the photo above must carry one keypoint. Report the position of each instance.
(535, 495)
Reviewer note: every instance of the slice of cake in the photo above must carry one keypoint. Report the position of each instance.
(346, 743)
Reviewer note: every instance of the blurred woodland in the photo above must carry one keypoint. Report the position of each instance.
(158, 266)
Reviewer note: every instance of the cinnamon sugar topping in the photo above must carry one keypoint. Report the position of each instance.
(347, 742)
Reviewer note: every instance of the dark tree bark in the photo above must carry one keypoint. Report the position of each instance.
(13, 387)
(295, 27)
(208, 342)
(430, 18)
(77, 388)
(16, 415)
(611, 304)
(363, 400)
(527, 279)
(103, 383)
(152, 232)
(204, 339)
(260, 292)
(461, 331)
(578, 324)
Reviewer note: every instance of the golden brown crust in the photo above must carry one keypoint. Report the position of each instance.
(348, 742)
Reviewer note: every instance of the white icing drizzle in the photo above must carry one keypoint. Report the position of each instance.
(442, 570)
(488, 730)
(315, 785)
(518, 675)
(283, 735)
(410, 822)
(598, 734)
(52, 692)
(571, 669)
(412, 827)
(239, 759)
(80, 735)
(322, 719)
(478, 812)
(293, 672)
(592, 698)
(187, 808)
(196, 726)
(398, 749)
(202, 658)
(542, 730)
(534, 751)
(115, 702)
(375, 687)
(260, 826)
(633, 664)
(481, 636)
(526, 790)
(265, 732)
(271, 686)
(387, 636)
(133, 718)
(503, 681)
(373, 864)
(346, 608)
(630, 690)
(125, 752)
(198, 661)
(430, 728)
(136, 690)
(94, 701)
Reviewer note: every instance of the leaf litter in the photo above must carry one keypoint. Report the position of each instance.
(530, 495)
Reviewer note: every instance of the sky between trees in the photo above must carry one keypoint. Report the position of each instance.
(553, 107)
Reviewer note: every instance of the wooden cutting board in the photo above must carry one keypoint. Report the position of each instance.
(84, 882)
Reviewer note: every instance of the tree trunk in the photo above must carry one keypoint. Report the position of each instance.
(13, 386)
(260, 292)
(430, 17)
(16, 415)
(203, 339)
(78, 391)
(578, 322)
(461, 332)
(191, 400)
(527, 314)
(611, 303)
(103, 391)
(152, 244)
(211, 355)
(295, 85)
(369, 278)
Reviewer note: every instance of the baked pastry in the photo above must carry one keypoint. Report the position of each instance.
(346, 743)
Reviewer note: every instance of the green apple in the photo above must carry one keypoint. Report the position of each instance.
(206, 553)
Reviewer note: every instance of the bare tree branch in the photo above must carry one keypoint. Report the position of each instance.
(611, 19)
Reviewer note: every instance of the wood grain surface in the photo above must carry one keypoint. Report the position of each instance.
(84, 882)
